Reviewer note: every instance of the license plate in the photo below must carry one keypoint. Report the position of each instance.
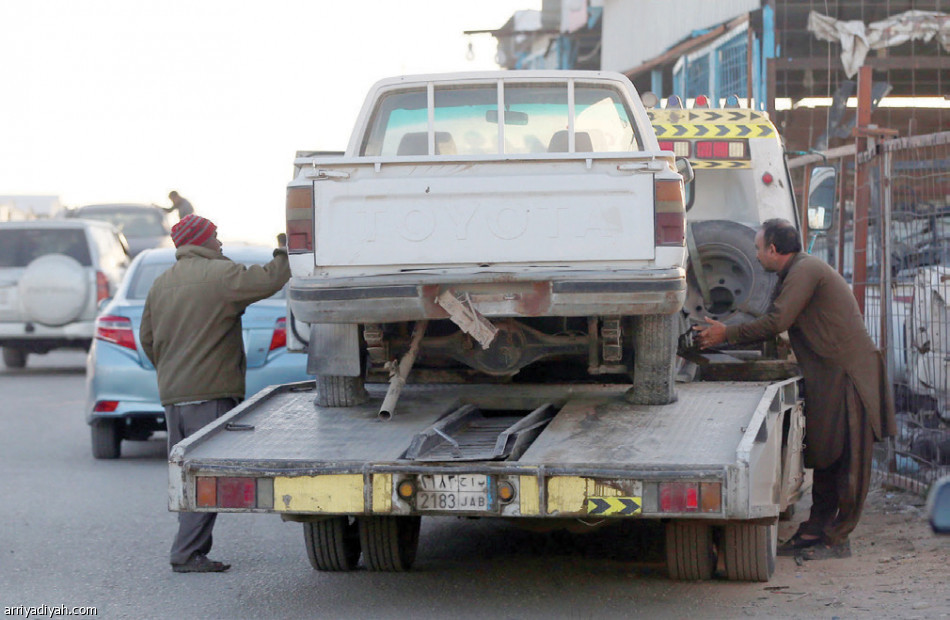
(453, 492)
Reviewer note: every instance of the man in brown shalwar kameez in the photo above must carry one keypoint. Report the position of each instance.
(848, 403)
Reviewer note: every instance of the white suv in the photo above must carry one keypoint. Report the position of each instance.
(53, 276)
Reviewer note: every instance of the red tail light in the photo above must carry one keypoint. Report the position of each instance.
(670, 213)
(679, 497)
(117, 330)
(106, 406)
(300, 219)
(279, 339)
(721, 149)
(102, 286)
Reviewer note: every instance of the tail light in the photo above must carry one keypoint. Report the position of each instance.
(722, 149)
(102, 286)
(680, 148)
(279, 339)
(234, 492)
(106, 406)
(300, 219)
(670, 212)
(703, 497)
(117, 330)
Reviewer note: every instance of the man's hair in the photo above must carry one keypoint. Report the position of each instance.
(782, 235)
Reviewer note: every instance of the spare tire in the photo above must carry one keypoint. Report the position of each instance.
(739, 288)
(54, 290)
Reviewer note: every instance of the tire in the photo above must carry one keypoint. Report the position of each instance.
(690, 553)
(654, 359)
(334, 391)
(749, 551)
(14, 358)
(389, 543)
(740, 287)
(106, 439)
(54, 290)
(332, 544)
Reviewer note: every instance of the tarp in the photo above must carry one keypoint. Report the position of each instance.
(857, 39)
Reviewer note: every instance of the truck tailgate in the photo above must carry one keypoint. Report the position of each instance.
(533, 213)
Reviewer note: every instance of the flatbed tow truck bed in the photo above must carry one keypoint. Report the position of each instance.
(723, 457)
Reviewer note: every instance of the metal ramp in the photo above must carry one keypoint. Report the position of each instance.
(467, 434)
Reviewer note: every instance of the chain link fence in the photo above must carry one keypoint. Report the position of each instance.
(906, 182)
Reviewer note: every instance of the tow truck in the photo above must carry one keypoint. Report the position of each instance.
(717, 466)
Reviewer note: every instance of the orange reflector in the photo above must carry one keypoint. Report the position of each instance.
(206, 492)
(406, 489)
(710, 497)
(506, 492)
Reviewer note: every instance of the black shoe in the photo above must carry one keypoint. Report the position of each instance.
(827, 552)
(794, 545)
(199, 563)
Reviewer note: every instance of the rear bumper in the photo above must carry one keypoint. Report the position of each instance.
(35, 336)
(382, 299)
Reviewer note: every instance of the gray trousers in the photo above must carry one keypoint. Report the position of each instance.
(194, 528)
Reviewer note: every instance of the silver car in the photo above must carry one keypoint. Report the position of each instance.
(144, 226)
(53, 276)
(121, 385)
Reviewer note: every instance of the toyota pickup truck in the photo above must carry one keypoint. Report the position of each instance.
(529, 218)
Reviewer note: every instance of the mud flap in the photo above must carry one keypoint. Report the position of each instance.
(334, 349)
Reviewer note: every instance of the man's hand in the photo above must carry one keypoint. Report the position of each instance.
(282, 240)
(710, 335)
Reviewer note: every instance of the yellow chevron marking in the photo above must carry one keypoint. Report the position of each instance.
(712, 131)
(624, 506)
(706, 164)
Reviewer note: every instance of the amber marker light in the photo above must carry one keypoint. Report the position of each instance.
(406, 489)
(506, 491)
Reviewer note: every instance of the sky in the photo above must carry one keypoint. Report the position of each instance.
(126, 100)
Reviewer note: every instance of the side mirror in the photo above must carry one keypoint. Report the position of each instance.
(686, 171)
(822, 189)
(938, 506)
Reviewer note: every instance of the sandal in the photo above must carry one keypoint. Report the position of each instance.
(794, 545)
(827, 552)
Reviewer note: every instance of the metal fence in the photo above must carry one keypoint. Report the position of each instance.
(906, 288)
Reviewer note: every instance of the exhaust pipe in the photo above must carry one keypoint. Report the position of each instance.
(400, 372)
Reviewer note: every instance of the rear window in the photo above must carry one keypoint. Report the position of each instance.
(19, 247)
(131, 223)
(146, 274)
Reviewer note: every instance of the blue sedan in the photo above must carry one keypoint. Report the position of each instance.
(121, 386)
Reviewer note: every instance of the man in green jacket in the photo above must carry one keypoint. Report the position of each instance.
(191, 331)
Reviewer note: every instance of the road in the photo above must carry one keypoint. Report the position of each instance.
(82, 532)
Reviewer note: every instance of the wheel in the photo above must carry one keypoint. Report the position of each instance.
(750, 551)
(333, 391)
(739, 287)
(389, 543)
(654, 359)
(106, 439)
(14, 358)
(332, 544)
(690, 553)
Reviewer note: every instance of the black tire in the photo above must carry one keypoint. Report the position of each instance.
(389, 543)
(332, 544)
(14, 358)
(740, 288)
(334, 391)
(106, 439)
(690, 552)
(654, 359)
(749, 551)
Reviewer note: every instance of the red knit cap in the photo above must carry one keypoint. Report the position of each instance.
(192, 229)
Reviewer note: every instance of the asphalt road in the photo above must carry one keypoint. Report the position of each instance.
(80, 532)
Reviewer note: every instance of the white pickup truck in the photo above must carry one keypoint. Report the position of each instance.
(534, 209)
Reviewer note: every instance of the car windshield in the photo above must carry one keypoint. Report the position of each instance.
(465, 120)
(131, 222)
(19, 247)
(146, 273)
